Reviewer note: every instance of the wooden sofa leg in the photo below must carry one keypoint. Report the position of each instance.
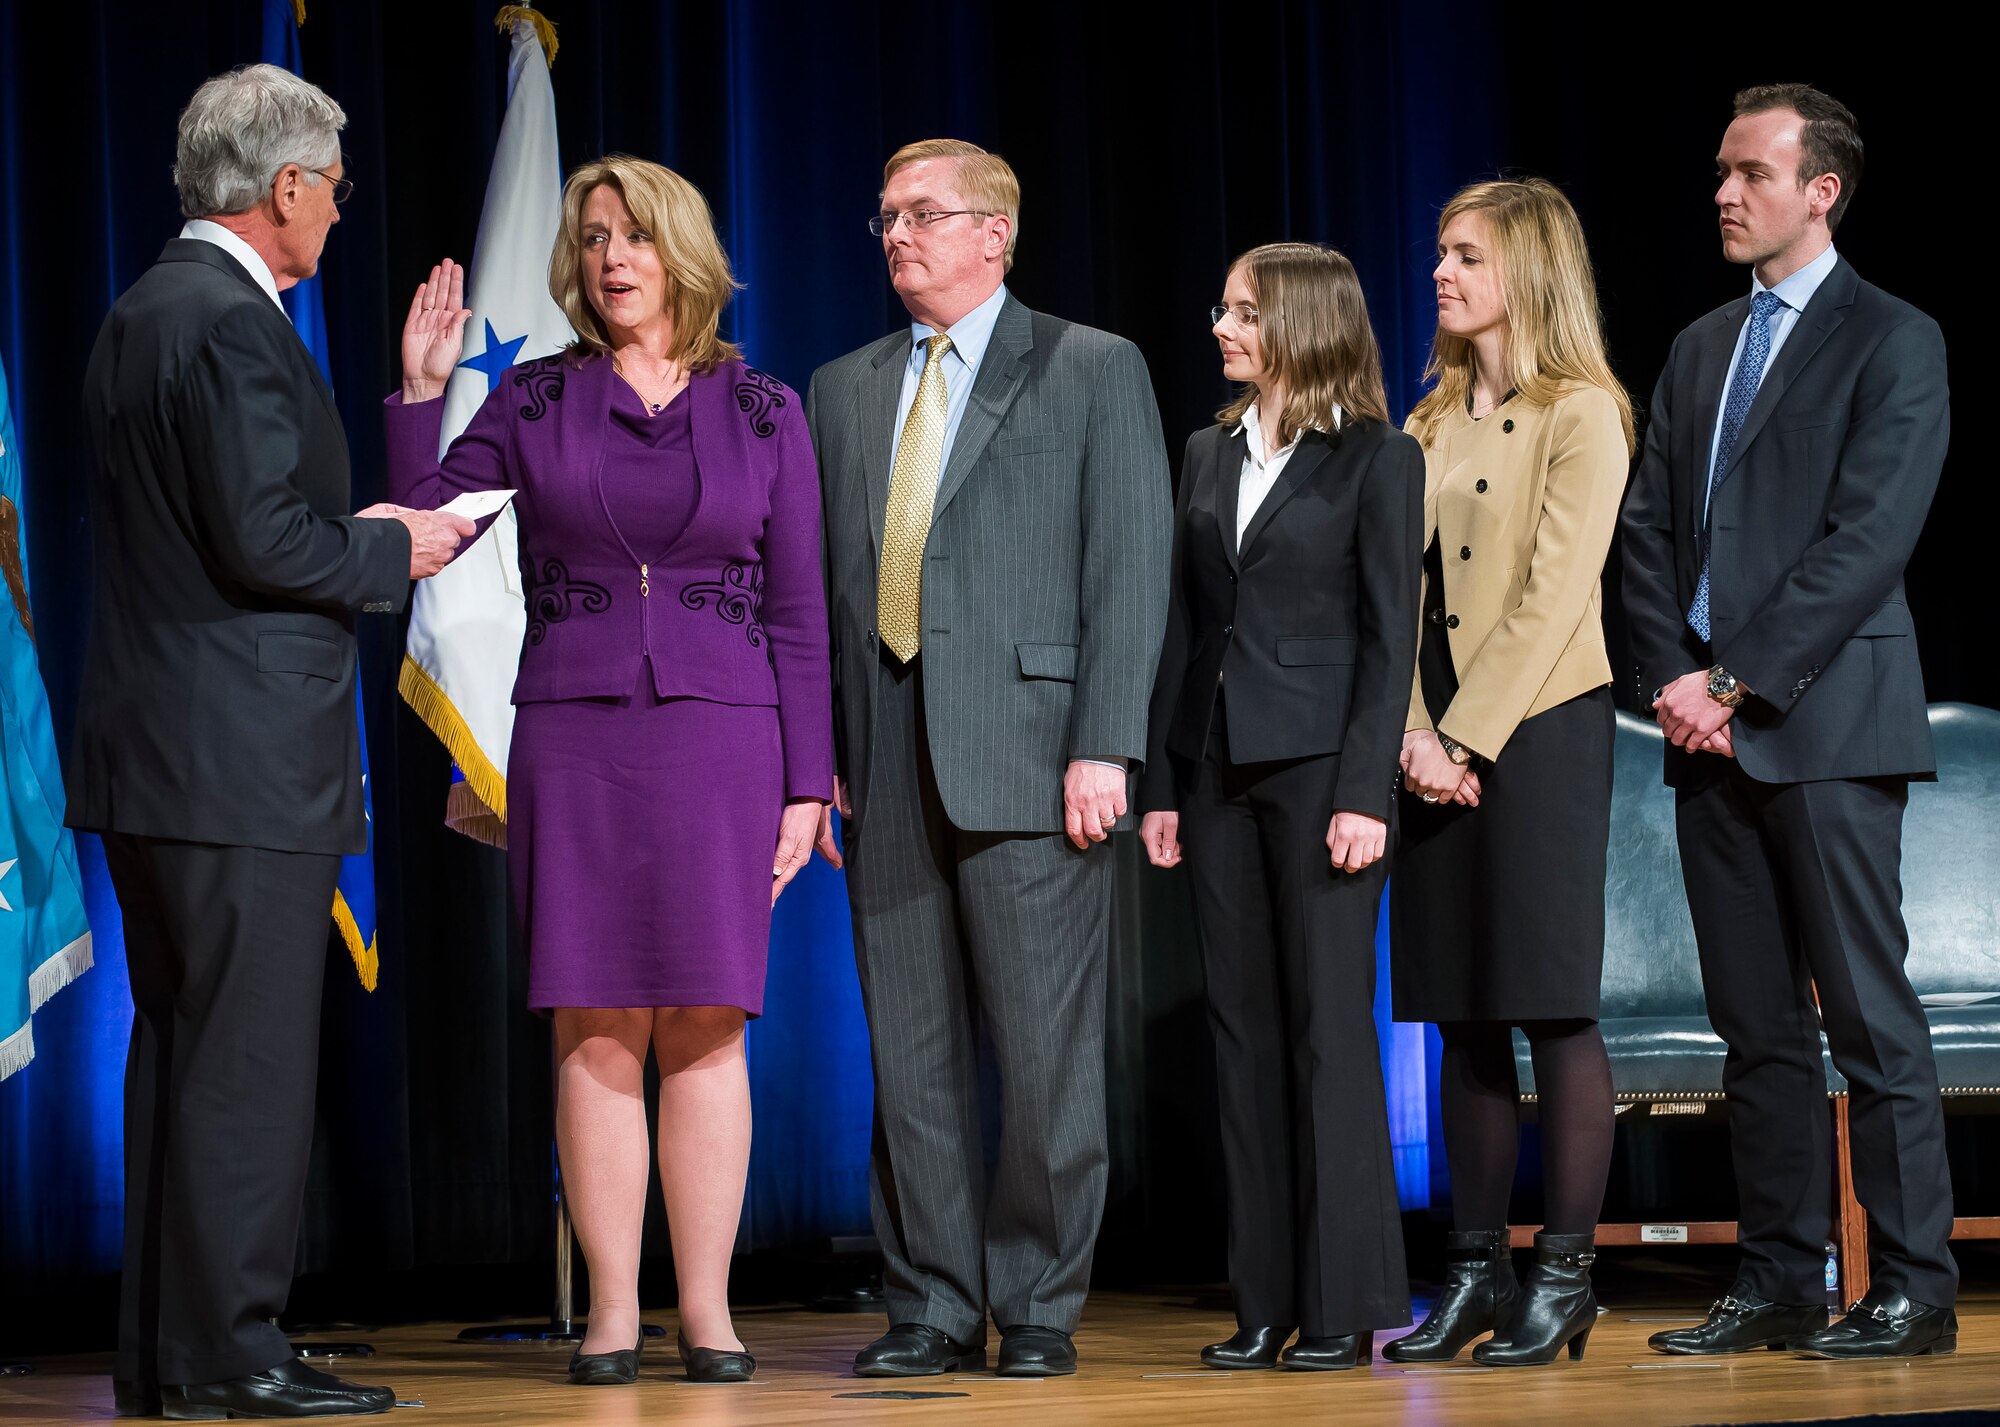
(1850, 1223)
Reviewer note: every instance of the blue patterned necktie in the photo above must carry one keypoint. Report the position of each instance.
(1742, 392)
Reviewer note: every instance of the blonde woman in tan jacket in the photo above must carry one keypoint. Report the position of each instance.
(1498, 898)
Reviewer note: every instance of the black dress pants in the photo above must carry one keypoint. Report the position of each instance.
(226, 949)
(1796, 887)
(1288, 952)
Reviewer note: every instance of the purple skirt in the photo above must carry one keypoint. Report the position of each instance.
(640, 834)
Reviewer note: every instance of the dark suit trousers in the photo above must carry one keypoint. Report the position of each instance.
(949, 927)
(1796, 887)
(1288, 951)
(226, 948)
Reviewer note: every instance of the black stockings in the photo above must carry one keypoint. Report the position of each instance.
(1482, 1126)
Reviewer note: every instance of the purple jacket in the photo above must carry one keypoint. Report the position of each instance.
(733, 612)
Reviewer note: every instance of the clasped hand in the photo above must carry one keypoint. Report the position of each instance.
(1691, 719)
(1429, 772)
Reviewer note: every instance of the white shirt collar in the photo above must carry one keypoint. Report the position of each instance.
(202, 230)
(1250, 425)
(970, 334)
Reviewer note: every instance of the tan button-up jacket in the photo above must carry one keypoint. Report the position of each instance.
(1523, 504)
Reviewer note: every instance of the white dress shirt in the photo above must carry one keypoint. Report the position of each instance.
(1794, 292)
(1260, 472)
(204, 231)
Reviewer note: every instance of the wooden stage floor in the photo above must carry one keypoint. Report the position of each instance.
(1138, 1368)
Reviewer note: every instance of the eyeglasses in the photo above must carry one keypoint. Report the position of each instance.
(884, 223)
(1245, 317)
(343, 188)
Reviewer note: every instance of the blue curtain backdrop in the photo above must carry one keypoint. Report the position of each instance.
(1153, 143)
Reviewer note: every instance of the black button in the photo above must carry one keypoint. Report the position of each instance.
(1228, 629)
(871, 636)
(1437, 616)
(1451, 621)
(1232, 577)
(1465, 552)
(1508, 424)
(1480, 487)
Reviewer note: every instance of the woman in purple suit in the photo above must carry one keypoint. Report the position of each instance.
(673, 727)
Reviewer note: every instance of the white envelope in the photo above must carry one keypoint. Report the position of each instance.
(477, 505)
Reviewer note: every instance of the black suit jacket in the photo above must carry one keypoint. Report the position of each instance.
(218, 690)
(1814, 521)
(1311, 626)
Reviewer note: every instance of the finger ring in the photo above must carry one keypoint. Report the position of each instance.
(1108, 821)
(1430, 797)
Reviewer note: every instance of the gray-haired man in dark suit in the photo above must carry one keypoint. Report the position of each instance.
(998, 521)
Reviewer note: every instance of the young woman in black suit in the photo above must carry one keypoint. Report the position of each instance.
(1275, 729)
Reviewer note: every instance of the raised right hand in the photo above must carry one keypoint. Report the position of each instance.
(434, 332)
(1161, 833)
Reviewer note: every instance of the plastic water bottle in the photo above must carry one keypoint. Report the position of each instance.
(1833, 1276)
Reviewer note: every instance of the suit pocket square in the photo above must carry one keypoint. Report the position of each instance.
(279, 653)
(1047, 661)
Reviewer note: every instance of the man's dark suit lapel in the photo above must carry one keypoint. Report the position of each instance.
(1313, 449)
(1826, 311)
(881, 387)
(1711, 369)
(994, 387)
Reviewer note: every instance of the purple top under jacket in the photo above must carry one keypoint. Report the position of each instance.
(735, 610)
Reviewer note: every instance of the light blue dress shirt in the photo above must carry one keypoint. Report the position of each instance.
(969, 338)
(1795, 292)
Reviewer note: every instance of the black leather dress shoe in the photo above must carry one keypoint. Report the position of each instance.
(1247, 1348)
(610, 1369)
(1332, 1354)
(135, 1399)
(715, 1364)
(916, 1350)
(1884, 1324)
(1741, 1322)
(1029, 1351)
(291, 1389)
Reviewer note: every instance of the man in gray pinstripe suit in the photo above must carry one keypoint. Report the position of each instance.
(997, 524)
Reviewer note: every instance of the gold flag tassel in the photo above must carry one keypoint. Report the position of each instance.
(299, 18)
(545, 28)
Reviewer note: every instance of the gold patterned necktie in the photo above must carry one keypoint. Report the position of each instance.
(913, 487)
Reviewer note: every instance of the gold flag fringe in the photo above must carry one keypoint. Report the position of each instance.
(367, 960)
(545, 28)
(434, 706)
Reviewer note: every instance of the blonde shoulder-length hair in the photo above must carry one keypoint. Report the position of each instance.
(1555, 342)
(1318, 346)
(674, 214)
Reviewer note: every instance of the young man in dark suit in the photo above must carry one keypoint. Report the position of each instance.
(215, 747)
(1795, 443)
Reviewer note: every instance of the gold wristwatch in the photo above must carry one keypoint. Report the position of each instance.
(1454, 750)
(1723, 687)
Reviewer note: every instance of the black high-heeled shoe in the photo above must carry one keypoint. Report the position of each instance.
(1479, 1294)
(1329, 1354)
(606, 1369)
(714, 1364)
(1556, 1309)
(1247, 1348)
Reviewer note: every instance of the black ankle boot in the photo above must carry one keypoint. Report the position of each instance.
(1478, 1296)
(1556, 1306)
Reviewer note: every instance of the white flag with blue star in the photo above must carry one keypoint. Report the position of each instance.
(466, 623)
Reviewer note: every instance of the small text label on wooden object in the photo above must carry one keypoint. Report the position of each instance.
(1663, 1233)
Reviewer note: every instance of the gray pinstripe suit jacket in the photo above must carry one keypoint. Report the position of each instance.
(1045, 576)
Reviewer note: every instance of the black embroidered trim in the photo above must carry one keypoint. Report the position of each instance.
(543, 381)
(553, 597)
(757, 396)
(738, 596)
